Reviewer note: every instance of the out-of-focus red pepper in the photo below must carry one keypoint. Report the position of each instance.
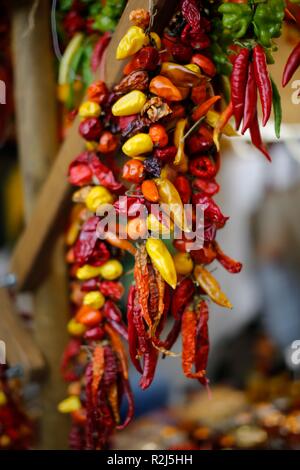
(183, 186)
(205, 64)
(209, 187)
(98, 50)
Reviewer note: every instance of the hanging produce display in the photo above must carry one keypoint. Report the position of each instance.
(163, 120)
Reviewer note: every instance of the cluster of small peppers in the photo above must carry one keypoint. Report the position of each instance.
(85, 29)
(95, 362)
(249, 29)
(16, 428)
(163, 109)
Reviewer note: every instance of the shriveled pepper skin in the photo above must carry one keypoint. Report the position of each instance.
(162, 260)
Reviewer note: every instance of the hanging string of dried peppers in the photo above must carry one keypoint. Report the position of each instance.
(165, 112)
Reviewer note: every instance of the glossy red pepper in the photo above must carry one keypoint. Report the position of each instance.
(291, 65)
(250, 99)
(238, 82)
(263, 81)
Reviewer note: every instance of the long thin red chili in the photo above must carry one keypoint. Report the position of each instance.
(263, 81)
(256, 138)
(238, 84)
(202, 342)
(250, 99)
(291, 65)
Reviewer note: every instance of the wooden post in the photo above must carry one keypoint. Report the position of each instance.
(35, 91)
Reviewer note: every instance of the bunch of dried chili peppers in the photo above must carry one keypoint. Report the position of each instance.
(94, 362)
(165, 116)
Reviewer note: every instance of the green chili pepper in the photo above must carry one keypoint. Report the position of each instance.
(236, 18)
(267, 21)
(276, 108)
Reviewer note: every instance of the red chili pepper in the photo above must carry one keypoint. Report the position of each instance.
(291, 65)
(182, 295)
(98, 50)
(202, 341)
(256, 138)
(228, 263)
(209, 187)
(202, 109)
(149, 366)
(166, 154)
(90, 129)
(205, 64)
(183, 186)
(250, 99)
(203, 167)
(191, 14)
(238, 84)
(263, 81)
(130, 409)
(112, 289)
(132, 333)
(205, 255)
(212, 212)
(188, 333)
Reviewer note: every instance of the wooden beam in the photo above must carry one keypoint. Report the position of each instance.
(28, 260)
(20, 347)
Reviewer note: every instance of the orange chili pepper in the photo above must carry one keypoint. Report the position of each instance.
(189, 335)
(114, 240)
(150, 191)
(118, 348)
(88, 316)
(163, 87)
(133, 171)
(221, 123)
(114, 401)
(79, 416)
(108, 142)
(98, 370)
(158, 135)
(202, 108)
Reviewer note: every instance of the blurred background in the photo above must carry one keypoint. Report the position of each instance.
(254, 371)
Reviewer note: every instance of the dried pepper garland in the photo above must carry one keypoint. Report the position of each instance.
(95, 362)
(165, 113)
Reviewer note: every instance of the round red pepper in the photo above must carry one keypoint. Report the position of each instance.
(203, 167)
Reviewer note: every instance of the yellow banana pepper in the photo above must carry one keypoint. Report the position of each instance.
(98, 195)
(212, 118)
(181, 160)
(131, 103)
(211, 286)
(131, 43)
(162, 260)
(87, 272)
(94, 299)
(70, 404)
(155, 226)
(75, 328)
(89, 109)
(194, 68)
(111, 270)
(169, 195)
(183, 263)
(137, 145)
(3, 399)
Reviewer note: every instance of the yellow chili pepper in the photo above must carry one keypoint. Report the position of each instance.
(75, 329)
(137, 145)
(89, 109)
(65, 63)
(87, 272)
(169, 195)
(162, 260)
(69, 404)
(211, 286)
(94, 299)
(194, 68)
(111, 270)
(212, 118)
(181, 160)
(131, 103)
(155, 226)
(98, 195)
(3, 399)
(132, 42)
(183, 263)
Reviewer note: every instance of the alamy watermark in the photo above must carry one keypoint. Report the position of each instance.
(295, 98)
